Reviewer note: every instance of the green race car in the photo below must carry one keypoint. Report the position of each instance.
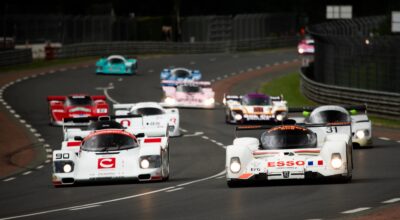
(116, 64)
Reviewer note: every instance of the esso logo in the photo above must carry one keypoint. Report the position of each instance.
(289, 163)
(125, 123)
(106, 163)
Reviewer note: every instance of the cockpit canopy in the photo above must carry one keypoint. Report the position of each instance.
(256, 99)
(288, 137)
(109, 141)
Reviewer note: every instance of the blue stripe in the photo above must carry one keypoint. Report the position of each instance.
(310, 163)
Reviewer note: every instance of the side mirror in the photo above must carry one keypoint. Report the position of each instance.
(306, 113)
(78, 138)
(140, 135)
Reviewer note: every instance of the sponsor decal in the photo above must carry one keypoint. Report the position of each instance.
(257, 117)
(258, 109)
(286, 128)
(125, 123)
(290, 163)
(106, 163)
(152, 140)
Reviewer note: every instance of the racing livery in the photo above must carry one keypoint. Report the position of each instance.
(112, 154)
(254, 107)
(76, 106)
(195, 94)
(306, 46)
(179, 74)
(116, 64)
(152, 117)
(356, 114)
(290, 152)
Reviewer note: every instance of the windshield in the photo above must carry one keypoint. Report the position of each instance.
(147, 111)
(109, 142)
(78, 100)
(187, 88)
(116, 61)
(182, 73)
(288, 137)
(260, 100)
(329, 116)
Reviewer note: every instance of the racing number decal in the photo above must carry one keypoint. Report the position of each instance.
(331, 130)
(125, 123)
(62, 156)
(106, 163)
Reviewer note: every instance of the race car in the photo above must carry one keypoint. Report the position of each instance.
(306, 46)
(254, 107)
(152, 116)
(284, 152)
(112, 154)
(76, 106)
(116, 64)
(179, 74)
(195, 94)
(361, 125)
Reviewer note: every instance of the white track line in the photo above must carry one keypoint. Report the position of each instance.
(384, 138)
(391, 201)
(84, 207)
(175, 189)
(355, 210)
(205, 137)
(109, 97)
(9, 179)
(27, 172)
(39, 167)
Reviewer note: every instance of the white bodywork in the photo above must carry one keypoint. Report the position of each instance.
(152, 125)
(128, 64)
(361, 125)
(112, 165)
(297, 163)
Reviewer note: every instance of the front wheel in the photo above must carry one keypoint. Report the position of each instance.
(233, 183)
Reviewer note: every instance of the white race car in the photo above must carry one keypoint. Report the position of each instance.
(154, 116)
(357, 115)
(112, 154)
(289, 152)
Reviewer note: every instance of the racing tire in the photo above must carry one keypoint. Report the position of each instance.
(167, 177)
(233, 184)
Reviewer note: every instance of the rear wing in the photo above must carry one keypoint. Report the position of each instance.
(123, 109)
(351, 108)
(237, 98)
(188, 82)
(98, 97)
(56, 98)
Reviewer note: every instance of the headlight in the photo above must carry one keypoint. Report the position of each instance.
(152, 161)
(238, 117)
(67, 168)
(301, 50)
(336, 161)
(209, 101)
(102, 110)
(362, 133)
(144, 164)
(280, 116)
(235, 165)
(170, 101)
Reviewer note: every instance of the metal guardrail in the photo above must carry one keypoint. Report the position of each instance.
(140, 47)
(13, 57)
(383, 103)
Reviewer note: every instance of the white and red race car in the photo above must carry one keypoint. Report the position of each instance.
(356, 114)
(286, 152)
(111, 154)
(152, 117)
(76, 106)
(189, 94)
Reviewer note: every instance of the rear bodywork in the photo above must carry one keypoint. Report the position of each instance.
(194, 94)
(306, 46)
(178, 75)
(61, 107)
(116, 65)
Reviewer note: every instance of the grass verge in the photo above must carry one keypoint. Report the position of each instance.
(289, 86)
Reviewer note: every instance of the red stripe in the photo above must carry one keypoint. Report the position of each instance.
(152, 140)
(73, 144)
(307, 151)
(264, 152)
(320, 162)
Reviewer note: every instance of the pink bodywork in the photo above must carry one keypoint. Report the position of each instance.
(188, 99)
(306, 46)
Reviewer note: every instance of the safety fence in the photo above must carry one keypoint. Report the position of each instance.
(385, 104)
(358, 53)
(14, 57)
(132, 48)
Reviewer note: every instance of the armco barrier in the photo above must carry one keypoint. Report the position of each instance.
(140, 47)
(13, 57)
(383, 103)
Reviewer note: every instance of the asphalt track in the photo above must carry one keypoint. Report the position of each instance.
(197, 188)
